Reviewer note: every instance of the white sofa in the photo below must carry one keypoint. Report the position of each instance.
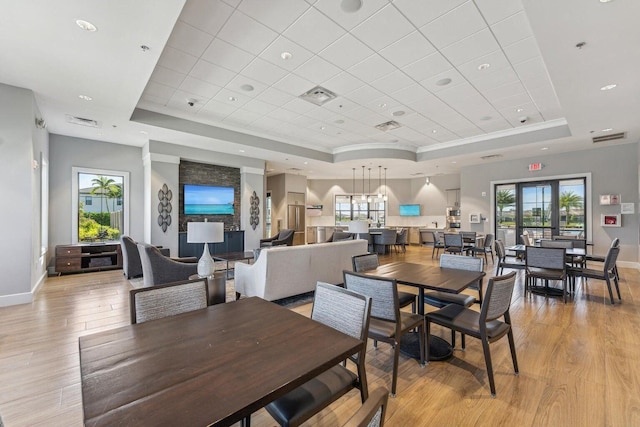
(284, 271)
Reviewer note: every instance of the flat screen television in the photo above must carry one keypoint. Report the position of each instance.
(409, 210)
(208, 200)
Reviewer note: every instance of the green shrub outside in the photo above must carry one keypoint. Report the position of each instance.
(102, 218)
(90, 230)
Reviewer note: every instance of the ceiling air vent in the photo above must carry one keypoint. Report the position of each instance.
(82, 121)
(388, 126)
(318, 95)
(491, 156)
(294, 169)
(610, 137)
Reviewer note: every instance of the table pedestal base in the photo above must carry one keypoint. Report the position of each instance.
(440, 349)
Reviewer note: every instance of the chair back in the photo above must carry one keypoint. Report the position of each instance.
(468, 236)
(387, 237)
(488, 241)
(567, 244)
(436, 238)
(525, 239)
(498, 297)
(286, 236)
(615, 243)
(401, 237)
(541, 257)
(382, 291)
(564, 237)
(155, 302)
(611, 258)
(342, 309)
(372, 411)
(131, 264)
(453, 240)
(364, 262)
(461, 262)
(500, 251)
(339, 236)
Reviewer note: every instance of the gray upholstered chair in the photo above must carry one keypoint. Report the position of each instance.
(158, 269)
(384, 241)
(131, 264)
(453, 243)
(339, 236)
(506, 261)
(372, 411)
(366, 262)
(388, 323)
(468, 239)
(437, 244)
(547, 264)
(284, 237)
(156, 302)
(401, 240)
(615, 243)
(348, 312)
(485, 325)
(485, 249)
(607, 272)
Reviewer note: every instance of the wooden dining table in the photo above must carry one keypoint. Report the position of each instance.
(429, 277)
(214, 366)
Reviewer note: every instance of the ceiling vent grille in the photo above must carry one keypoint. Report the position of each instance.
(294, 169)
(491, 156)
(82, 121)
(318, 95)
(611, 137)
(388, 126)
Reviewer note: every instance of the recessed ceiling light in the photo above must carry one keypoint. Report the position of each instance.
(382, 105)
(242, 151)
(86, 25)
(350, 6)
(453, 161)
(306, 163)
(608, 87)
(605, 1)
(246, 87)
(322, 128)
(232, 98)
(286, 55)
(398, 113)
(339, 121)
(519, 110)
(443, 82)
(434, 131)
(144, 132)
(544, 148)
(483, 66)
(607, 130)
(85, 97)
(485, 118)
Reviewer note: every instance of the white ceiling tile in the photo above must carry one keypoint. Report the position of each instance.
(408, 49)
(179, 102)
(167, 77)
(546, 100)
(206, 15)
(533, 73)
(512, 113)
(189, 39)
(393, 82)
(385, 105)
(211, 73)
(496, 79)
(177, 60)
(512, 29)
(417, 121)
(232, 3)
(294, 85)
(496, 60)
(226, 55)
(258, 107)
(346, 51)
(303, 121)
(242, 117)
(497, 10)
(274, 96)
(341, 105)
(432, 82)
(241, 80)
(364, 94)
(533, 118)
(410, 94)
(299, 106)
(476, 45)
(342, 83)
(314, 31)
(469, 132)
(299, 55)
(321, 114)
(275, 14)
(199, 87)
(388, 18)
(264, 71)
(231, 98)
(420, 14)
(522, 51)
(512, 101)
(317, 70)
(159, 90)
(406, 133)
(372, 68)
(282, 114)
(154, 101)
(449, 28)
(461, 96)
(494, 125)
(427, 67)
(504, 91)
(332, 9)
(247, 33)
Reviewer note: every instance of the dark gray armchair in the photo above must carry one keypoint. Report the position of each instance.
(131, 264)
(284, 237)
(158, 269)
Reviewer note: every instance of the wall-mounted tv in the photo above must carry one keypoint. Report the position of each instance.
(409, 210)
(208, 200)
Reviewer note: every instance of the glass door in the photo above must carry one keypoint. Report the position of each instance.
(538, 212)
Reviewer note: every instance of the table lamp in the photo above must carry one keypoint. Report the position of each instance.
(359, 227)
(205, 232)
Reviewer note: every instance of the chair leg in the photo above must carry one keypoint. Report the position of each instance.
(453, 339)
(421, 339)
(487, 360)
(512, 346)
(463, 341)
(609, 288)
(394, 377)
(433, 251)
(427, 335)
(616, 282)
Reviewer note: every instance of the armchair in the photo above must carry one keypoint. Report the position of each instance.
(131, 264)
(284, 237)
(158, 269)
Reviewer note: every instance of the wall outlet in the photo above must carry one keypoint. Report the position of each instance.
(484, 194)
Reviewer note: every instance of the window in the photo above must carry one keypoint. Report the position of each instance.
(100, 202)
(353, 208)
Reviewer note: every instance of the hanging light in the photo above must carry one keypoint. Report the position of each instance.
(369, 199)
(353, 188)
(363, 197)
(385, 198)
(379, 183)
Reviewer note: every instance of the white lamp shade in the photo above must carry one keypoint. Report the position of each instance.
(205, 232)
(359, 227)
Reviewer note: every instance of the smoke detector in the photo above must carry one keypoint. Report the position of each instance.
(318, 95)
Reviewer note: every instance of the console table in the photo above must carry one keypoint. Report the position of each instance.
(233, 242)
(85, 257)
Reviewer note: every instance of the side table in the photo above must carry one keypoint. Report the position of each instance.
(217, 284)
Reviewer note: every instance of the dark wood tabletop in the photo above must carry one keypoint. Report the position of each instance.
(207, 367)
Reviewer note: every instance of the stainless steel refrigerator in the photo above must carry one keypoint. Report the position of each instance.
(296, 220)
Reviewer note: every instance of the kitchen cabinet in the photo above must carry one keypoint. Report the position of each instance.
(453, 197)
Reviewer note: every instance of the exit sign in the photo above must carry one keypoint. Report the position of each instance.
(535, 167)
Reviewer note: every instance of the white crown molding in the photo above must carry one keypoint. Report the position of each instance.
(254, 171)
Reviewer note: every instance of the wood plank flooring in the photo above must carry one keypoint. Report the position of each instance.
(579, 362)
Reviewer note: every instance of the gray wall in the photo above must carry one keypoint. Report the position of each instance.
(614, 170)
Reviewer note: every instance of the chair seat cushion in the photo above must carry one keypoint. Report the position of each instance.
(512, 262)
(466, 321)
(441, 299)
(406, 298)
(599, 258)
(384, 329)
(312, 396)
(545, 273)
(586, 272)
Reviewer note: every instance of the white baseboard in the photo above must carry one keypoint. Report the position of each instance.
(23, 298)
(629, 264)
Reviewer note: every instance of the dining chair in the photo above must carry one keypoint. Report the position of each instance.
(485, 249)
(385, 240)
(437, 244)
(484, 325)
(526, 240)
(372, 411)
(615, 243)
(546, 263)
(348, 312)
(155, 302)
(453, 243)
(506, 261)
(468, 239)
(401, 240)
(367, 262)
(388, 323)
(606, 273)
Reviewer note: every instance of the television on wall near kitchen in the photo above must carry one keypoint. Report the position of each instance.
(409, 210)
(208, 200)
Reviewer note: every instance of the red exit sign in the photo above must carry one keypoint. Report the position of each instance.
(535, 167)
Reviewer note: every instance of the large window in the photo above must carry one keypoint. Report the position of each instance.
(353, 208)
(100, 203)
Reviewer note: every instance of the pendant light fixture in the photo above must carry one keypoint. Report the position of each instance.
(353, 188)
(379, 183)
(363, 197)
(385, 198)
(369, 199)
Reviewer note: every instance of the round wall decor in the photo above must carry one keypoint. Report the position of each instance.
(164, 207)
(254, 211)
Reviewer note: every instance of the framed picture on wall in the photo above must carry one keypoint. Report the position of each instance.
(474, 218)
(610, 220)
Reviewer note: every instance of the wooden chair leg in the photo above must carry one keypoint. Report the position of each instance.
(487, 360)
(396, 359)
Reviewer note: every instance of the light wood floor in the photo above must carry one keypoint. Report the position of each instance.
(579, 362)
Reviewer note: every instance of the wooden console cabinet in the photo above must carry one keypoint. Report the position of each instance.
(85, 257)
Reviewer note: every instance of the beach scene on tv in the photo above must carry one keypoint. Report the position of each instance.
(208, 200)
